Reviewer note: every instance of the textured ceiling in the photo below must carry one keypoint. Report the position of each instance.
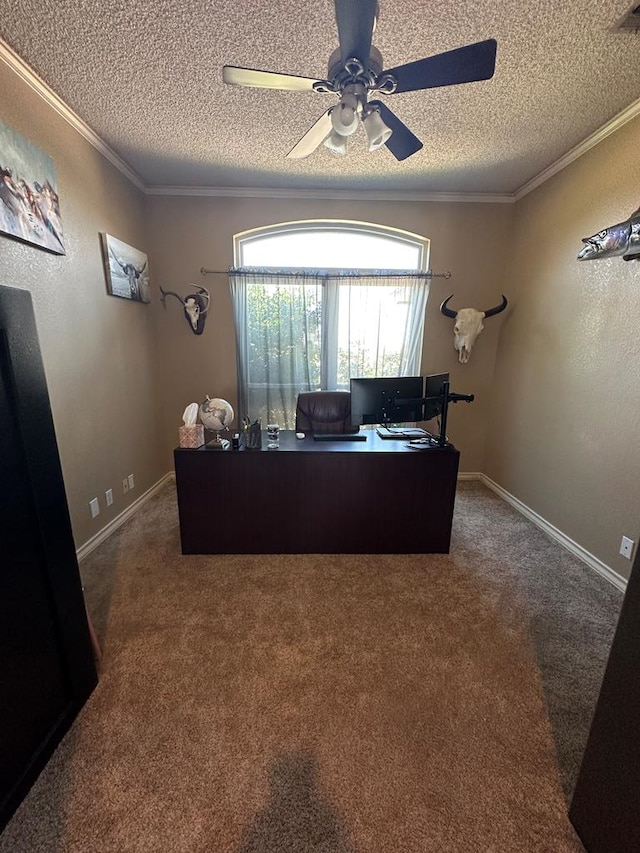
(146, 76)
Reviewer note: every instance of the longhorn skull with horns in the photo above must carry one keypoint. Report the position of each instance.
(195, 307)
(468, 325)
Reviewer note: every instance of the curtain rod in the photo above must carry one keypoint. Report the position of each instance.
(326, 274)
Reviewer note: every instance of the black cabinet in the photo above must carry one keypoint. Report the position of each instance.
(605, 809)
(46, 661)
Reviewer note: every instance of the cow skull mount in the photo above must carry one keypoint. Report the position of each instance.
(195, 307)
(468, 325)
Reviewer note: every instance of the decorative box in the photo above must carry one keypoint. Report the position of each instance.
(191, 436)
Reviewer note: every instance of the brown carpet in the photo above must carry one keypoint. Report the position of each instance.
(329, 704)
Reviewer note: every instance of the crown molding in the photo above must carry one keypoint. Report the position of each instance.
(631, 112)
(20, 67)
(347, 195)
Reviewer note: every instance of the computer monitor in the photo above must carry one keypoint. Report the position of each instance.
(433, 387)
(374, 400)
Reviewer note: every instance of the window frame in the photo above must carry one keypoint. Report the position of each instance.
(339, 226)
(423, 244)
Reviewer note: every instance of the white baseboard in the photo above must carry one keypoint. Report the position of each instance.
(91, 544)
(469, 475)
(577, 550)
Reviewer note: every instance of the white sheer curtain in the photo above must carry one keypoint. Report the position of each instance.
(311, 330)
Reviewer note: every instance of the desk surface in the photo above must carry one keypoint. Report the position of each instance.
(290, 444)
(369, 497)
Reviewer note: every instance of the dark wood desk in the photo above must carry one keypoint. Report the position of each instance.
(308, 497)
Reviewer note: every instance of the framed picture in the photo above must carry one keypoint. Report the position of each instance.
(126, 269)
(29, 203)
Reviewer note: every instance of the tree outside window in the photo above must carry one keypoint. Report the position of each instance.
(304, 325)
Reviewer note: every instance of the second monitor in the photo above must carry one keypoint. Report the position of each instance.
(433, 395)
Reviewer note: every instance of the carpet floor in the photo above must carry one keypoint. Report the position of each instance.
(330, 703)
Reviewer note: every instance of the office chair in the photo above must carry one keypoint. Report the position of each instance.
(324, 412)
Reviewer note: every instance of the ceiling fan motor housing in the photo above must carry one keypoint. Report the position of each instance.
(340, 75)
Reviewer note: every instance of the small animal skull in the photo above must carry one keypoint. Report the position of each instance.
(192, 310)
(468, 325)
(195, 307)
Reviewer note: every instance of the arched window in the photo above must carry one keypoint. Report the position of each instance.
(333, 244)
(318, 302)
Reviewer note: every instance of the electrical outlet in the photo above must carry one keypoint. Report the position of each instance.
(108, 496)
(125, 486)
(131, 481)
(94, 506)
(626, 547)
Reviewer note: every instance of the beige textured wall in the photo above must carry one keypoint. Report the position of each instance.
(555, 424)
(99, 351)
(187, 233)
(565, 423)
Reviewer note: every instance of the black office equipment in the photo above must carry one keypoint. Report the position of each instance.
(435, 403)
(442, 401)
(340, 436)
(604, 809)
(386, 400)
(46, 659)
(433, 399)
(400, 433)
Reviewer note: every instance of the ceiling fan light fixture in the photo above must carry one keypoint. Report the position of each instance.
(356, 72)
(344, 116)
(336, 143)
(375, 128)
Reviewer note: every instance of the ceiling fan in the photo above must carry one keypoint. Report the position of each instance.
(356, 72)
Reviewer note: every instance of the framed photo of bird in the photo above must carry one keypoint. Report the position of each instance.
(29, 204)
(126, 270)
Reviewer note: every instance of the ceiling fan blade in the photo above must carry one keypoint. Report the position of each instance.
(266, 79)
(462, 65)
(315, 136)
(402, 143)
(355, 19)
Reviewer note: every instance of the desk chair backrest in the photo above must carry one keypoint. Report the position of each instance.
(324, 412)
